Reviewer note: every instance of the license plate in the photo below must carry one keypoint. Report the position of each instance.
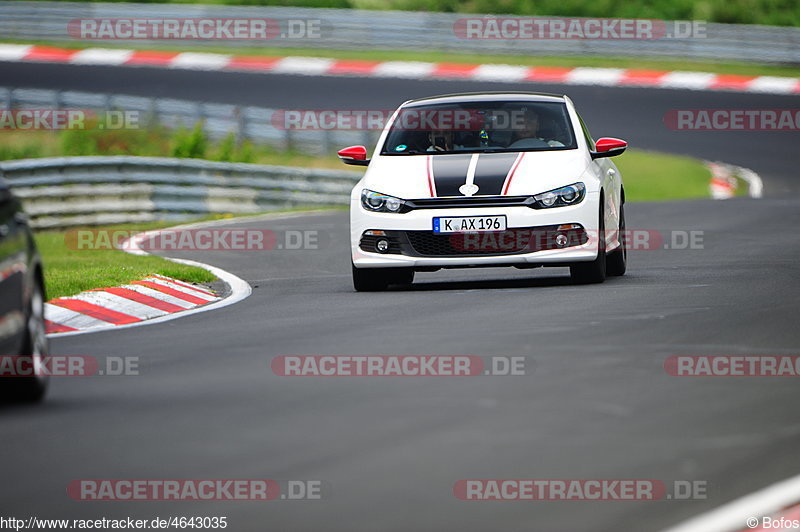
(469, 224)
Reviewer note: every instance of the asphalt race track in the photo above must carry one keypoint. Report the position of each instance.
(596, 401)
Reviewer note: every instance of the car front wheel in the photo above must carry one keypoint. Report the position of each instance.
(617, 260)
(594, 271)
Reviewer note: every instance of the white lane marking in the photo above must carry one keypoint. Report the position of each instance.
(14, 52)
(71, 318)
(101, 56)
(500, 73)
(302, 65)
(120, 304)
(595, 76)
(687, 80)
(181, 288)
(200, 61)
(404, 69)
(166, 298)
(733, 515)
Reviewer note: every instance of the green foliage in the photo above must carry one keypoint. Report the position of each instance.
(226, 149)
(94, 140)
(190, 143)
(20, 151)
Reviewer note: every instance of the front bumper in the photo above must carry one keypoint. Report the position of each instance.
(528, 242)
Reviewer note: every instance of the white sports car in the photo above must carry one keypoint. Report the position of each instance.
(486, 179)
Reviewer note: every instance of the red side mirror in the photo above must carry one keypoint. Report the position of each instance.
(608, 147)
(354, 155)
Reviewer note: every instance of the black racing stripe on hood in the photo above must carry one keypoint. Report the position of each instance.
(449, 173)
(491, 172)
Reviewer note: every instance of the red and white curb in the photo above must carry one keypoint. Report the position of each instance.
(724, 180)
(319, 66)
(152, 297)
(773, 503)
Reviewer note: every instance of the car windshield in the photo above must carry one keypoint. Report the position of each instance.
(477, 127)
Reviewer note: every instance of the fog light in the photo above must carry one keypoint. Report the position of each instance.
(382, 245)
(561, 240)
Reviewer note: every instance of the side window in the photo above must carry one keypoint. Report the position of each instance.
(586, 134)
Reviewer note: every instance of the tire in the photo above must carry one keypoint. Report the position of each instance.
(379, 279)
(617, 260)
(35, 349)
(595, 271)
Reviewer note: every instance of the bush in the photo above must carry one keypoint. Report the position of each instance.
(96, 141)
(226, 149)
(191, 144)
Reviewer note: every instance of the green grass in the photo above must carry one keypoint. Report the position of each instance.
(676, 63)
(70, 271)
(652, 176)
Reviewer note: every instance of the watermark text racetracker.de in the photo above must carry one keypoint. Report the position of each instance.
(397, 365)
(67, 119)
(68, 366)
(733, 365)
(406, 119)
(235, 29)
(544, 28)
(194, 489)
(212, 239)
(732, 119)
(105, 523)
(534, 489)
(569, 235)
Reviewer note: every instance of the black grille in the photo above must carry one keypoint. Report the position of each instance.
(471, 201)
(509, 242)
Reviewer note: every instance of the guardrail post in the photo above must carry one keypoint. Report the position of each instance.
(57, 99)
(327, 142)
(241, 125)
(288, 142)
(152, 113)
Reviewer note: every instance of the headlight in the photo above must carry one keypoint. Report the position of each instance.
(377, 202)
(560, 197)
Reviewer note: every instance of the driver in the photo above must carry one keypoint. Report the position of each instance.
(442, 141)
(527, 134)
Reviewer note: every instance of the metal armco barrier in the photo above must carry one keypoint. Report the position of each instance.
(71, 191)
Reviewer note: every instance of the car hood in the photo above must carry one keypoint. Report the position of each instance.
(492, 174)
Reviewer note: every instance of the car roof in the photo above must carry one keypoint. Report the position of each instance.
(511, 96)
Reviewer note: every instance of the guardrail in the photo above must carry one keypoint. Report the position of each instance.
(397, 30)
(70, 191)
(219, 120)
